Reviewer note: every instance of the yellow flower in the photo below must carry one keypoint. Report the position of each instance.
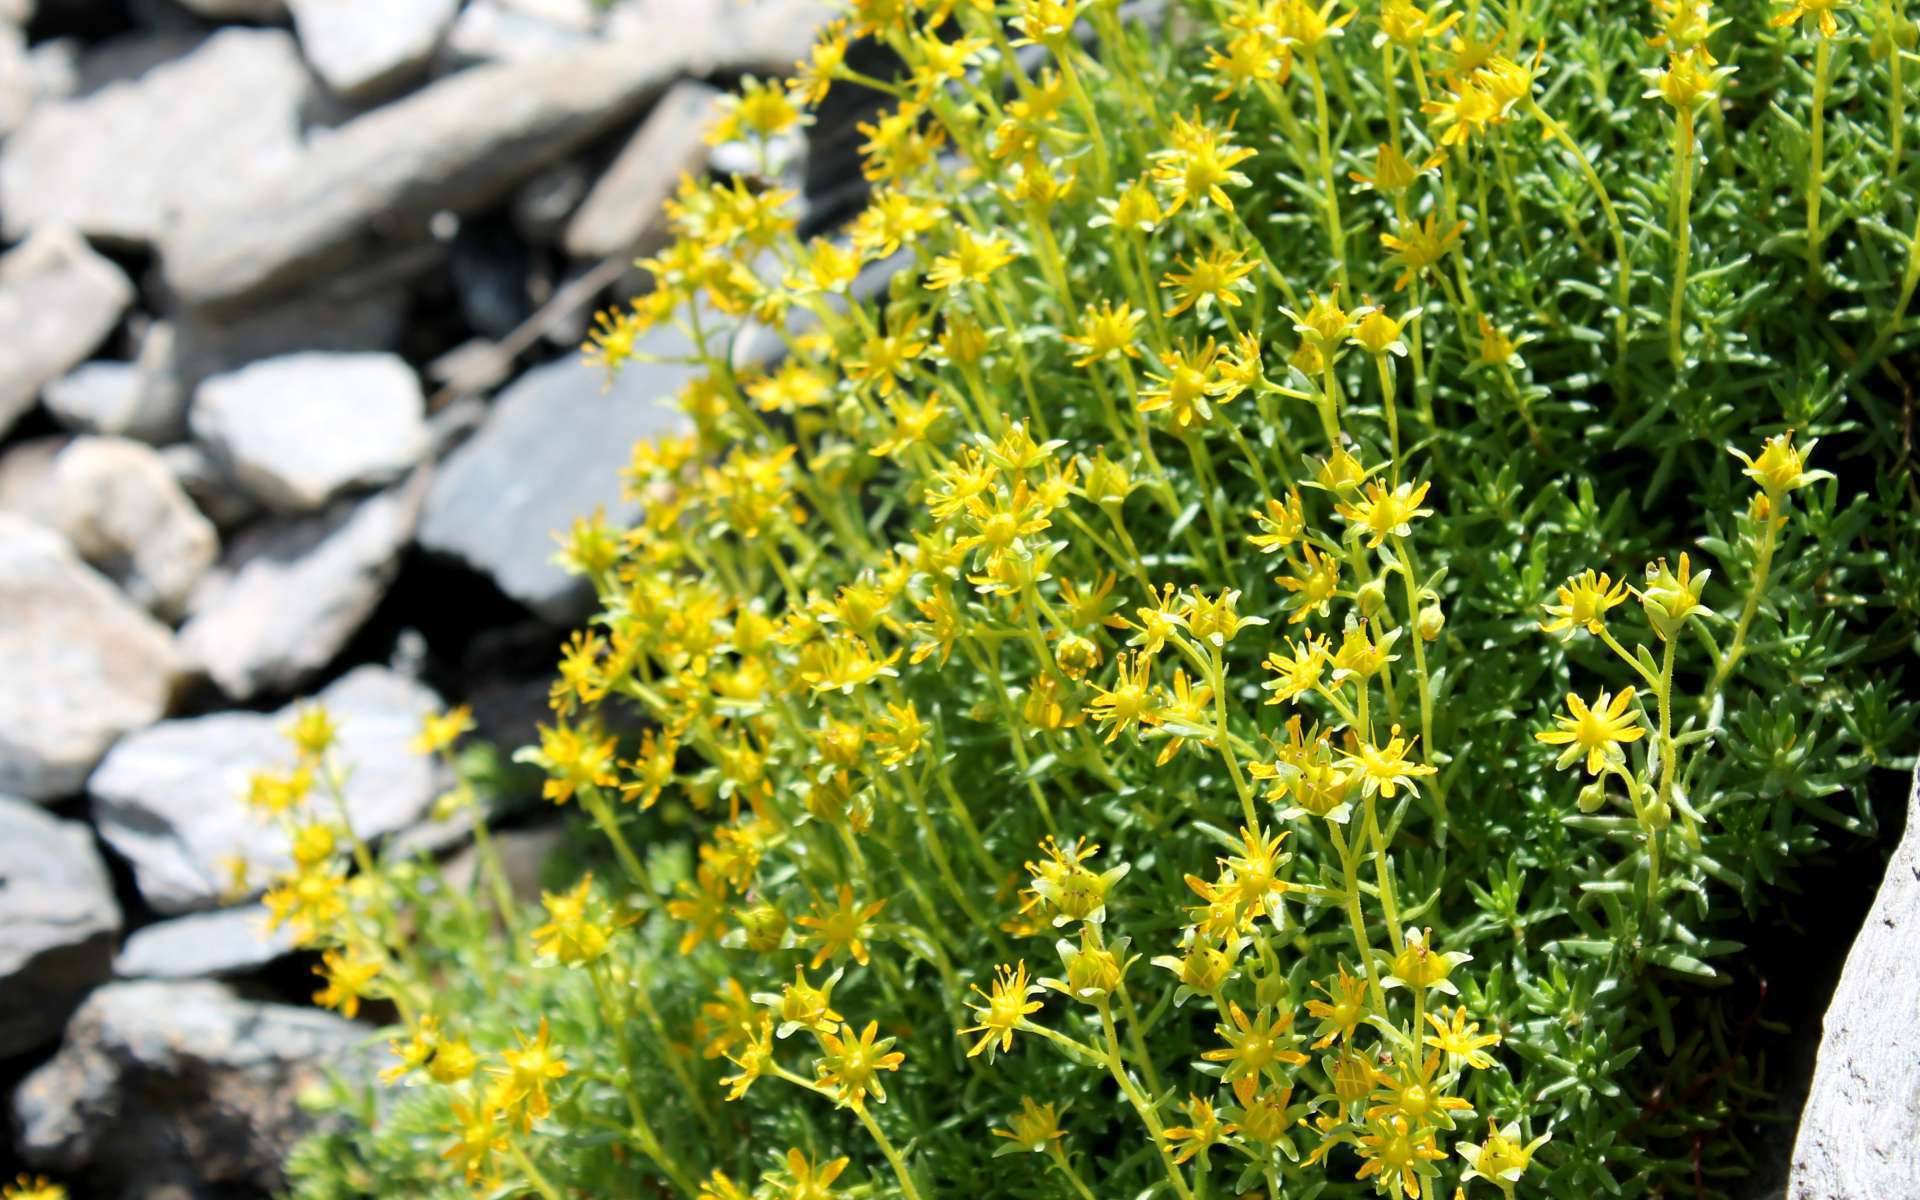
(1131, 701)
(1034, 1127)
(308, 903)
(1106, 331)
(756, 110)
(1253, 56)
(1282, 523)
(1583, 603)
(1199, 165)
(34, 1187)
(478, 1136)
(1189, 386)
(1820, 12)
(413, 1053)
(1780, 467)
(312, 732)
(973, 259)
(1342, 1011)
(272, 793)
(1597, 731)
(1314, 583)
(1392, 173)
(1461, 1039)
(1386, 513)
(571, 935)
(1065, 887)
(801, 1005)
(1203, 1131)
(754, 1059)
(718, 1186)
(806, 1180)
(1501, 1159)
(842, 929)
(348, 978)
(1396, 1151)
(1298, 672)
(1215, 277)
(1407, 25)
(1254, 1045)
(1669, 597)
(1385, 769)
(1006, 1007)
(1204, 964)
(851, 1064)
(1135, 210)
(1419, 966)
(439, 731)
(813, 75)
(1418, 246)
(522, 1082)
(891, 219)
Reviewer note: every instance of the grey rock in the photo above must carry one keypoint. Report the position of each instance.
(297, 431)
(17, 12)
(359, 310)
(124, 512)
(226, 941)
(369, 47)
(495, 31)
(83, 665)
(140, 399)
(212, 489)
(237, 10)
(624, 205)
(58, 918)
(125, 161)
(457, 145)
(55, 65)
(58, 300)
(17, 84)
(160, 1079)
(543, 203)
(551, 451)
(290, 593)
(1858, 1129)
(26, 478)
(760, 36)
(170, 800)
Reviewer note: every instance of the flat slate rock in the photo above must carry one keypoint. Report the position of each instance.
(291, 592)
(58, 919)
(124, 162)
(1860, 1130)
(120, 506)
(226, 941)
(170, 800)
(58, 300)
(83, 664)
(370, 47)
(625, 203)
(551, 451)
(161, 1079)
(457, 145)
(298, 430)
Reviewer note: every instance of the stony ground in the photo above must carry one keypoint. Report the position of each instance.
(290, 403)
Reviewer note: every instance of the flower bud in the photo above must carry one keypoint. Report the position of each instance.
(1592, 797)
(1372, 597)
(1430, 623)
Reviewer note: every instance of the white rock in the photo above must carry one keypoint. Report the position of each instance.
(125, 161)
(226, 941)
(494, 31)
(58, 918)
(1860, 1129)
(122, 509)
(83, 665)
(291, 593)
(299, 430)
(551, 451)
(58, 300)
(237, 10)
(624, 204)
(141, 399)
(170, 800)
(362, 47)
(17, 84)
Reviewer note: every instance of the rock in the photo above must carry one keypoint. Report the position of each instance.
(83, 664)
(16, 12)
(58, 919)
(291, 593)
(170, 799)
(761, 37)
(226, 941)
(213, 490)
(543, 203)
(17, 84)
(1857, 1130)
(26, 478)
(457, 145)
(368, 47)
(551, 451)
(160, 1079)
(120, 506)
(523, 857)
(297, 431)
(140, 399)
(124, 162)
(624, 205)
(237, 10)
(55, 65)
(496, 31)
(359, 310)
(58, 300)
